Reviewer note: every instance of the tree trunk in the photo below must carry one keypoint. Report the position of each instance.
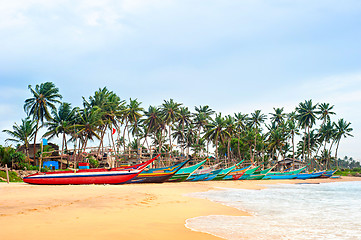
(255, 146)
(308, 152)
(101, 139)
(304, 145)
(338, 142)
(170, 142)
(126, 125)
(36, 132)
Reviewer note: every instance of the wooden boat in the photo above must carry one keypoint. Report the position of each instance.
(225, 172)
(258, 175)
(248, 173)
(201, 174)
(212, 175)
(157, 175)
(255, 177)
(279, 176)
(235, 174)
(287, 173)
(184, 173)
(89, 176)
(309, 175)
(328, 174)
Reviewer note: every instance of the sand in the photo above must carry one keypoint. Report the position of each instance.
(136, 211)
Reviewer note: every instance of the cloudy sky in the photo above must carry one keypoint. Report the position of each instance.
(235, 56)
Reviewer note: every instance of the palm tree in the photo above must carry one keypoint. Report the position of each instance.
(22, 134)
(184, 120)
(214, 130)
(45, 96)
(256, 119)
(170, 113)
(343, 130)
(111, 110)
(88, 125)
(278, 116)
(240, 124)
(306, 116)
(201, 117)
(229, 131)
(150, 122)
(131, 114)
(61, 123)
(325, 110)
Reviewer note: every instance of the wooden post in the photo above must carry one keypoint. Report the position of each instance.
(41, 155)
(7, 173)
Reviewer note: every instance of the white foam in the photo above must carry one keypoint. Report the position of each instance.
(323, 211)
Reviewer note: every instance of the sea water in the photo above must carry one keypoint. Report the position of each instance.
(286, 211)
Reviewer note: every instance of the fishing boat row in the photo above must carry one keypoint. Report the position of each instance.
(141, 173)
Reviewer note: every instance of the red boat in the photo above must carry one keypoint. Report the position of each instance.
(89, 176)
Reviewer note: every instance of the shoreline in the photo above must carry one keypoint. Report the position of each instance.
(137, 211)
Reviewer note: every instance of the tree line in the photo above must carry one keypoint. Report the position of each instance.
(174, 130)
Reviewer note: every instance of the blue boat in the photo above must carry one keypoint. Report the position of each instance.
(328, 174)
(157, 175)
(309, 175)
(284, 176)
(212, 175)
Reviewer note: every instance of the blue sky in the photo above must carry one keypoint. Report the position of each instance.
(235, 56)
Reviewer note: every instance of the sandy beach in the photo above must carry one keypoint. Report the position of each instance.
(137, 211)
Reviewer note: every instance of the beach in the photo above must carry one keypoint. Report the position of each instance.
(134, 211)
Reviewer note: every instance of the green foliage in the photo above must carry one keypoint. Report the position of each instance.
(11, 157)
(349, 172)
(26, 166)
(13, 177)
(94, 163)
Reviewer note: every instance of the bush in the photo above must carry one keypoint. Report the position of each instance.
(10, 156)
(94, 163)
(13, 177)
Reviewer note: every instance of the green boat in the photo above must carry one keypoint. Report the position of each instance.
(264, 171)
(248, 173)
(225, 172)
(255, 177)
(294, 172)
(258, 175)
(184, 173)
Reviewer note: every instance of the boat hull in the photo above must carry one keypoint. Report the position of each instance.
(272, 177)
(184, 173)
(157, 175)
(88, 176)
(308, 175)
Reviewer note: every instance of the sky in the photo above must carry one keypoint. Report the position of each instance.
(235, 56)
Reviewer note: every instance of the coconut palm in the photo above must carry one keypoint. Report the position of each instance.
(150, 122)
(45, 96)
(111, 107)
(184, 120)
(201, 117)
(256, 119)
(215, 130)
(131, 114)
(306, 116)
(325, 110)
(88, 125)
(278, 116)
(22, 134)
(229, 131)
(170, 113)
(61, 123)
(342, 130)
(240, 124)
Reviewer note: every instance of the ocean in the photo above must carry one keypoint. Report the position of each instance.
(286, 211)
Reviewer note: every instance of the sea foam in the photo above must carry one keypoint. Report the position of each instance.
(286, 211)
